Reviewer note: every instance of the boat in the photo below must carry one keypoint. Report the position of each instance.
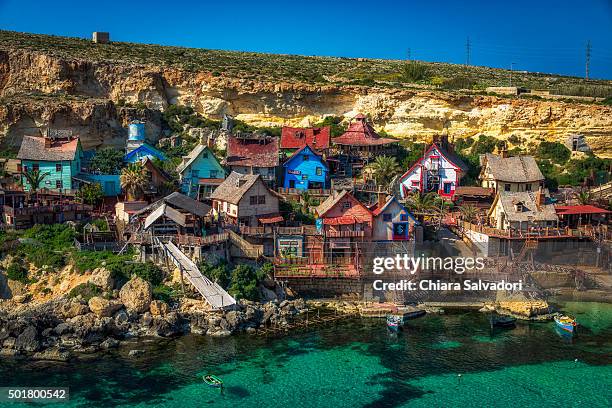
(213, 381)
(395, 322)
(566, 323)
(410, 312)
(503, 321)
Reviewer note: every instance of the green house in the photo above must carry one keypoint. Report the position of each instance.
(59, 160)
(201, 173)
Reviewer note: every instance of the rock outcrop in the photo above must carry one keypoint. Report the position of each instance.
(136, 295)
(104, 307)
(89, 97)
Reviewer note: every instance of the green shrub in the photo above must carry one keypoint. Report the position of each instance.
(107, 161)
(17, 272)
(164, 293)
(245, 280)
(414, 71)
(91, 194)
(219, 273)
(149, 272)
(554, 151)
(85, 290)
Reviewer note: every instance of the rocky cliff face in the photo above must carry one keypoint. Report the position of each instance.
(85, 95)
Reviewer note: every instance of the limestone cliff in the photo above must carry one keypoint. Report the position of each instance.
(39, 89)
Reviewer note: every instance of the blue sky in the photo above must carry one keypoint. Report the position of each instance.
(536, 35)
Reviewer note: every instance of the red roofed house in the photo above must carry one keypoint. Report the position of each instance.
(577, 215)
(254, 155)
(439, 170)
(360, 141)
(392, 221)
(293, 139)
(344, 221)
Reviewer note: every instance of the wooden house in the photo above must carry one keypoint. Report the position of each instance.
(392, 221)
(359, 144)
(58, 159)
(244, 199)
(293, 139)
(175, 214)
(142, 151)
(305, 170)
(575, 216)
(343, 221)
(439, 170)
(522, 211)
(510, 174)
(201, 173)
(254, 155)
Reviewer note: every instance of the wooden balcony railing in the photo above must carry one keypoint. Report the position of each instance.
(540, 232)
(199, 241)
(56, 208)
(344, 234)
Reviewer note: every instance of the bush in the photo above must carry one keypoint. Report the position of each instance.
(244, 282)
(91, 194)
(107, 161)
(414, 71)
(335, 125)
(85, 290)
(17, 272)
(554, 151)
(164, 293)
(149, 272)
(219, 273)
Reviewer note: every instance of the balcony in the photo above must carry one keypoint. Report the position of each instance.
(55, 208)
(345, 234)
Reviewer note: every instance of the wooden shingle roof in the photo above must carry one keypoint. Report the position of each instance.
(33, 148)
(234, 187)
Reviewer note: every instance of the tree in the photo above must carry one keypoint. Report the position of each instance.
(422, 203)
(584, 197)
(384, 168)
(468, 212)
(91, 193)
(133, 180)
(244, 282)
(35, 179)
(107, 161)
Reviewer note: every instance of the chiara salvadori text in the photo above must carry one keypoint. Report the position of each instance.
(410, 264)
(438, 285)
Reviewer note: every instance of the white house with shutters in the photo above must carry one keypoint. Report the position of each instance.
(439, 171)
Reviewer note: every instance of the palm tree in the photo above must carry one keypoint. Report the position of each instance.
(35, 179)
(422, 203)
(384, 169)
(468, 212)
(133, 180)
(584, 197)
(307, 201)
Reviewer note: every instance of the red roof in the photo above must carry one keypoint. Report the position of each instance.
(342, 220)
(270, 219)
(580, 209)
(361, 133)
(255, 152)
(296, 138)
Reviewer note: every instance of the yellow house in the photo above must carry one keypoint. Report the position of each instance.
(510, 174)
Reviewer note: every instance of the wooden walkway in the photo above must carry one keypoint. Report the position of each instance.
(210, 291)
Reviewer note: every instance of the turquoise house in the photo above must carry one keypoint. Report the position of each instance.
(142, 151)
(200, 172)
(59, 159)
(110, 183)
(305, 170)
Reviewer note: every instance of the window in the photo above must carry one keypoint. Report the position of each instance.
(415, 182)
(19, 169)
(35, 167)
(387, 217)
(58, 183)
(304, 176)
(205, 155)
(319, 171)
(195, 173)
(448, 188)
(252, 200)
(527, 187)
(306, 157)
(261, 199)
(58, 167)
(346, 205)
(214, 173)
(506, 187)
(403, 217)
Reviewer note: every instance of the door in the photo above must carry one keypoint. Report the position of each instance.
(291, 183)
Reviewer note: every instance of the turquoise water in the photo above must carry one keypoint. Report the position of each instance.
(353, 364)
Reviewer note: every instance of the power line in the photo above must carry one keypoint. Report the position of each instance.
(588, 59)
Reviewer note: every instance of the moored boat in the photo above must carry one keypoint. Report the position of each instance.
(213, 381)
(395, 322)
(566, 323)
(503, 321)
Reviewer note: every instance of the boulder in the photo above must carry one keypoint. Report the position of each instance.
(121, 318)
(135, 353)
(109, 343)
(72, 309)
(28, 340)
(158, 308)
(104, 307)
(52, 354)
(103, 278)
(136, 295)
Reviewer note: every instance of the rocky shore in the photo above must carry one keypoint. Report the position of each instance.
(65, 328)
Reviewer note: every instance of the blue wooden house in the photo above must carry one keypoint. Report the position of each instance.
(142, 151)
(59, 160)
(305, 170)
(200, 172)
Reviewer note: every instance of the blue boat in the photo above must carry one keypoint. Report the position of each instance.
(395, 323)
(566, 323)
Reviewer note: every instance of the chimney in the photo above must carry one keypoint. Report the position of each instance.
(48, 142)
(540, 198)
(503, 153)
(382, 199)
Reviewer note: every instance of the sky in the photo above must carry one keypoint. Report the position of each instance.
(534, 35)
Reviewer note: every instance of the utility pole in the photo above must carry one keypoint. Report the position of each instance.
(409, 56)
(468, 51)
(588, 59)
(511, 68)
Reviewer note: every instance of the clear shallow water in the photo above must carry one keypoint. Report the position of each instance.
(354, 364)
